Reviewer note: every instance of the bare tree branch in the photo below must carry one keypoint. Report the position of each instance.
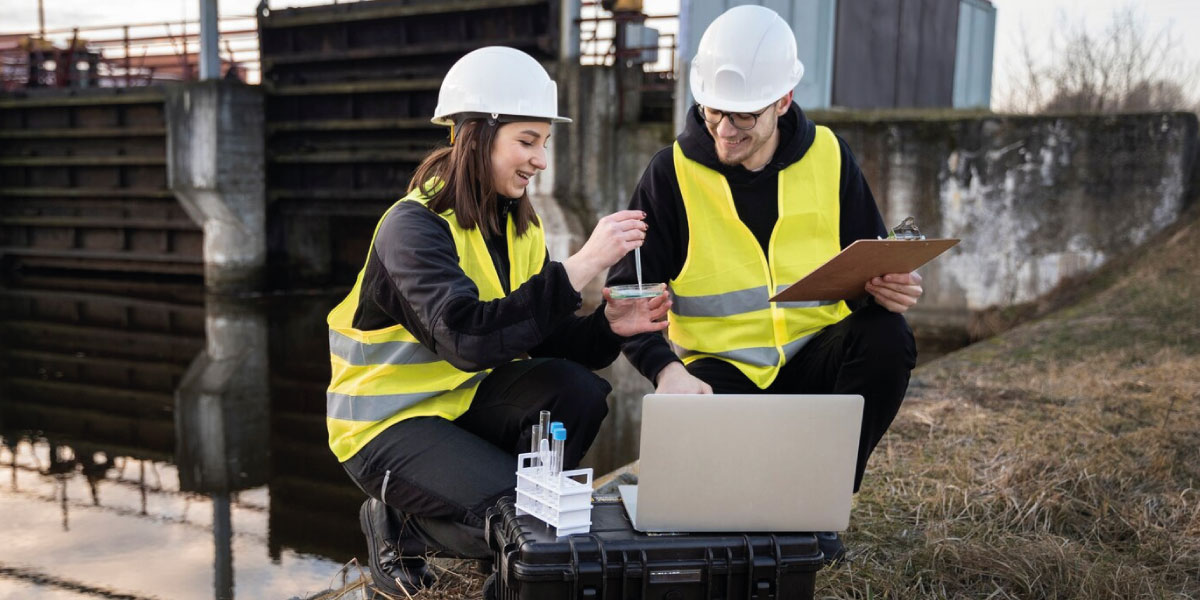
(1125, 67)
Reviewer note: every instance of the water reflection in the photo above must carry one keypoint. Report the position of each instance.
(163, 444)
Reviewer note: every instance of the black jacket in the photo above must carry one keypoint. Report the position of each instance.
(412, 278)
(755, 196)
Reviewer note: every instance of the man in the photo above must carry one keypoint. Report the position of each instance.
(751, 197)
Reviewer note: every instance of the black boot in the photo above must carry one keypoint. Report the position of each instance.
(393, 575)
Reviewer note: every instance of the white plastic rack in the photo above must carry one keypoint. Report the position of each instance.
(561, 501)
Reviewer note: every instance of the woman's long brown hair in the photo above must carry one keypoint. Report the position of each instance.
(466, 170)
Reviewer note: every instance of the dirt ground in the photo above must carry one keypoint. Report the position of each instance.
(1060, 459)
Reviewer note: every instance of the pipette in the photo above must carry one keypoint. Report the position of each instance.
(637, 259)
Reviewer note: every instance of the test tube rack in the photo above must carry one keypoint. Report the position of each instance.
(561, 501)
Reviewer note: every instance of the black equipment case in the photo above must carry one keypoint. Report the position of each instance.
(614, 562)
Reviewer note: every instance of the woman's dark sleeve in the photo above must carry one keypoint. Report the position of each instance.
(587, 340)
(440, 305)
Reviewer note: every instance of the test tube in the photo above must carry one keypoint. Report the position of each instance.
(544, 421)
(535, 438)
(556, 462)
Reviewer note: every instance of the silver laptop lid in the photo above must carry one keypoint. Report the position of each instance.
(752, 462)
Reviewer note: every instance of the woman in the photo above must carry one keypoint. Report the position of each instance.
(459, 330)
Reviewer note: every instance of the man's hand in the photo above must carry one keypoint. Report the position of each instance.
(675, 379)
(896, 292)
(637, 315)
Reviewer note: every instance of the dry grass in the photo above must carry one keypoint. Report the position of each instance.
(456, 579)
(1058, 460)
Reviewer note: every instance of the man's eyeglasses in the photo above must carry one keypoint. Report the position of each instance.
(740, 120)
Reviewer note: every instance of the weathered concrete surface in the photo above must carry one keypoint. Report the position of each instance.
(1037, 201)
(601, 156)
(215, 167)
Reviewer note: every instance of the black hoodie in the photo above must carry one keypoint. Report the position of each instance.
(755, 196)
(412, 278)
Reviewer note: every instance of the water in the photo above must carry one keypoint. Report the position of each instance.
(155, 443)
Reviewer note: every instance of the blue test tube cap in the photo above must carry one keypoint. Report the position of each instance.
(556, 425)
(560, 433)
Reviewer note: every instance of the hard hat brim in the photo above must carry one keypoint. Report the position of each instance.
(448, 120)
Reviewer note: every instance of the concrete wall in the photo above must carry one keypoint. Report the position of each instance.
(1036, 200)
(600, 157)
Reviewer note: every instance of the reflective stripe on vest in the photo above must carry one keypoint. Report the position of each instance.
(376, 408)
(765, 356)
(732, 303)
(721, 298)
(384, 353)
(383, 376)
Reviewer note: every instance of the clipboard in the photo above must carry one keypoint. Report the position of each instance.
(844, 275)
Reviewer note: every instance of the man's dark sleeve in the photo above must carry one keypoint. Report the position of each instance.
(663, 253)
(860, 219)
(440, 304)
(859, 213)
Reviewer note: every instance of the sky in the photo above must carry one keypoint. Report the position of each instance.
(1038, 18)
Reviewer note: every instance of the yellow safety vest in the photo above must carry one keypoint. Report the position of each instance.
(721, 308)
(383, 376)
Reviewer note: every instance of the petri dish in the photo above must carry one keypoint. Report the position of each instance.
(628, 292)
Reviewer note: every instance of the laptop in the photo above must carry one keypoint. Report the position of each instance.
(745, 462)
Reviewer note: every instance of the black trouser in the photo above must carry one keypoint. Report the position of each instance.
(870, 353)
(441, 476)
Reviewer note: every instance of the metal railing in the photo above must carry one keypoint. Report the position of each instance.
(604, 38)
(130, 55)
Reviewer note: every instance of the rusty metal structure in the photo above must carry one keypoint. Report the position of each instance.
(350, 89)
(348, 93)
(618, 33)
(134, 55)
(83, 184)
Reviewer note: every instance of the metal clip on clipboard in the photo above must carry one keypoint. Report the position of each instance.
(906, 230)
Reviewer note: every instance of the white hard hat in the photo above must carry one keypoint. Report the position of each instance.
(745, 61)
(497, 81)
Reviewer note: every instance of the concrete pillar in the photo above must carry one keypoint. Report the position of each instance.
(216, 169)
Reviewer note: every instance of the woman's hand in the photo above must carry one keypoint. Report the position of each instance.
(637, 315)
(613, 238)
